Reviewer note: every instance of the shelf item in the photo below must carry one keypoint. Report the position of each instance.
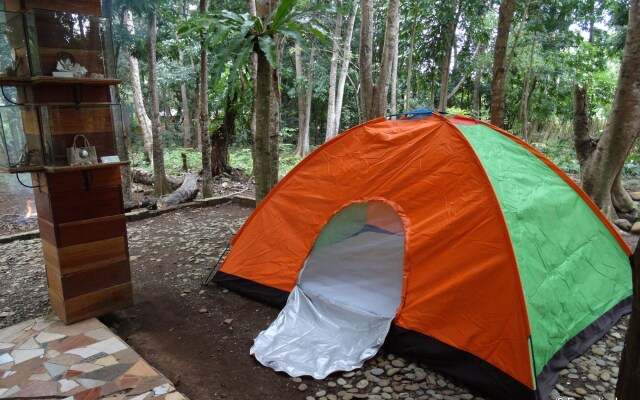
(62, 41)
(14, 61)
(39, 136)
(20, 140)
(42, 43)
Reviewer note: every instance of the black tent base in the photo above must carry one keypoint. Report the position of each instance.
(457, 363)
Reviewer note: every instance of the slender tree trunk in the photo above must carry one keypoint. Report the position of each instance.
(583, 142)
(262, 150)
(274, 118)
(160, 186)
(333, 72)
(365, 61)
(477, 80)
(207, 179)
(222, 138)
(505, 15)
(186, 116)
(136, 86)
(344, 71)
(167, 109)
(393, 107)
(516, 37)
(446, 60)
(465, 75)
(251, 5)
(525, 95)
(407, 94)
(198, 142)
(304, 100)
(373, 96)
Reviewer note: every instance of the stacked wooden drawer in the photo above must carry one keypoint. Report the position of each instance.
(84, 240)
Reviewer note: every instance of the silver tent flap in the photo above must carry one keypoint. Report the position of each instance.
(339, 313)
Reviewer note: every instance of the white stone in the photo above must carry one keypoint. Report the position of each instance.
(84, 352)
(24, 355)
(89, 383)
(66, 385)
(5, 358)
(109, 346)
(29, 344)
(45, 337)
(162, 389)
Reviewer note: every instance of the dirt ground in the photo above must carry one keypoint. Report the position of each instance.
(198, 336)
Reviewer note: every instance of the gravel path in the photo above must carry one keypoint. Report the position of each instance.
(24, 296)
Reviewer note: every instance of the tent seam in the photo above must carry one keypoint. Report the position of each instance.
(503, 224)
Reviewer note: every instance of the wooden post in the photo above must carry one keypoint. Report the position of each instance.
(80, 208)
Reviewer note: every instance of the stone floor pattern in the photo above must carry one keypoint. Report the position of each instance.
(44, 359)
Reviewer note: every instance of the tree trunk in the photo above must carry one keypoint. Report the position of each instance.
(407, 94)
(507, 67)
(274, 117)
(262, 150)
(333, 72)
(141, 176)
(185, 193)
(477, 80)
(629, 375)
(251, 5)
(304, 100)
(198, 142)
(207, 179)
(465, 75)
(393, 85)
(160, 186)
(525, 95)
(373, 96)
(222, 138)
(136, 86)
(507, 8)
(344, 71)
(267, 108)
(446, 60)
(583, 142)
(365, 62)
(186, 116)
(622, 129)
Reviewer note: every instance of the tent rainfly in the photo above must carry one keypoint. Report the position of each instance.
(445, 238)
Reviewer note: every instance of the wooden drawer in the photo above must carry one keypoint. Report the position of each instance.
(74, 285)
(92, 304)
(59, 208)
(85, 256)
(91, 230)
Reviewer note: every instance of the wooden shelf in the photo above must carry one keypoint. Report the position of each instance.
(55, 80)
(19, 170)
(54, 170)
(13, 81)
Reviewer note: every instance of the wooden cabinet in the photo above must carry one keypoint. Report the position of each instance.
(84, 241)
(80, 208)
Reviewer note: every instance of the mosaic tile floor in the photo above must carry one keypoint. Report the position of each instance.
(44, 359)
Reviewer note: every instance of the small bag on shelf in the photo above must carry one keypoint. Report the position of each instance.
(85, 155)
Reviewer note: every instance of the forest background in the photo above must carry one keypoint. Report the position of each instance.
(445, 54)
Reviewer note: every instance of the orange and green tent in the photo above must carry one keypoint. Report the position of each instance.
(507, 269)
